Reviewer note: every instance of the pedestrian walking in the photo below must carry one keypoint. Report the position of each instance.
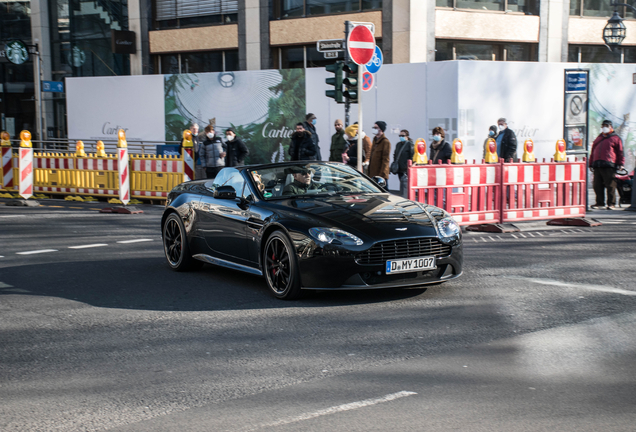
(302, 147)
(310, 126)
(506, 142)
(492, 134)
(441, 151)
(380, 157)
(338, 142)
(350, 156)
(606, 157)
(212, 153)
(403, 153)
(236, 149)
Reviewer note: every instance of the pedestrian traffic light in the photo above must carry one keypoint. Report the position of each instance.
(335, 81)
(351, 82)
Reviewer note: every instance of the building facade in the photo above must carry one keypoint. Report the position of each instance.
(74, 38)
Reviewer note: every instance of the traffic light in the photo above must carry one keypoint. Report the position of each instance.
(336, 81)
(351, 82)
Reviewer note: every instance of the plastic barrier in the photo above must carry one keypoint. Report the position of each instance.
(546, 190)
(6, 163)
(471, 193)
(502, 192)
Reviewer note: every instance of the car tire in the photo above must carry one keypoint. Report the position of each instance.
(175, 245)
(280, 266)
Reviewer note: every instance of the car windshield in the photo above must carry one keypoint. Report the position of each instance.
(288, 181)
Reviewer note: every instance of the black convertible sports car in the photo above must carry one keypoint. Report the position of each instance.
(309, 225)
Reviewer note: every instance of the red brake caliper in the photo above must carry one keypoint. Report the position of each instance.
(274, 270)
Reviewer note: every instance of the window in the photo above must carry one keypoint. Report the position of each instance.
(600, 54)
(299, 8)
(195, 62)
(529, 7)
(462, 50)
(303, 56)
(599, 8)
(192, 13)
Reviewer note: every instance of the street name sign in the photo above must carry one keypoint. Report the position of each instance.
(331, 54)
(329, 45)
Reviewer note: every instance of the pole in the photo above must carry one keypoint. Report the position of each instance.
(38, 92)
(346, 60)
(360, 69)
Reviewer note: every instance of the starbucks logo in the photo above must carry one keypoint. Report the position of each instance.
(16, 52)
(76, 57)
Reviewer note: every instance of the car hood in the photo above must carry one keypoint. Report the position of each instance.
(378, 215)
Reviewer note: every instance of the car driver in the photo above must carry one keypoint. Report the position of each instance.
(302, 182)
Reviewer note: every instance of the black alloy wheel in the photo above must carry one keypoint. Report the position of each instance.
(175, 245)
(281, 267)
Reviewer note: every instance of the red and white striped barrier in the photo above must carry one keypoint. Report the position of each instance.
(26, 172)
(545, 190)
(97, 164)
(469, 193)
(47, 161)
(188, 165)
(122, 164)
(7, 168)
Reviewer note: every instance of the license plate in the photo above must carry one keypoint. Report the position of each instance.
(410, 265)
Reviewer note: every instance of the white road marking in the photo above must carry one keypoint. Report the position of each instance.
(522, 235)
(600, 288)
(514, 236)
(36, 252)
(10, 216)
(134, 241)
(88, 246)
(530, 234)
(1, 256)
(491, 238)
(4, 285)
(334, 410)
(540, 234)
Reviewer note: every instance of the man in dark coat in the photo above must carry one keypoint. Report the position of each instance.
(380, 157)
(302, 146)
(338, 142)
(506, 142)
(310, 126)
(236, 149)
(606, 157)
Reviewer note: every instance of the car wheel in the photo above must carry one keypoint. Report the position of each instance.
(175, 245)
(281, 267)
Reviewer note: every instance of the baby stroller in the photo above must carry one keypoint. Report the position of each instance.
(624, 184)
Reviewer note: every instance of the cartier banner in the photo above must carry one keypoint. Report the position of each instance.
(123, 42)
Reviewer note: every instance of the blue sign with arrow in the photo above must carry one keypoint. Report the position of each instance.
(53, 86)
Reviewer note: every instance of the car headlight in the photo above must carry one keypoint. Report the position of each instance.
(329, 235)
(448, 227)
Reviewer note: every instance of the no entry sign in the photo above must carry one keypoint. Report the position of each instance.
(361, 45)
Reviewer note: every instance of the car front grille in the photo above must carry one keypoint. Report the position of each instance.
(407, 248)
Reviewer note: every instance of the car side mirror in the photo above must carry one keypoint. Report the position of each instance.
(225, 192)
(380, 181)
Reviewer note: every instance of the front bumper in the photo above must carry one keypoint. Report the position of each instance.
(335, 267)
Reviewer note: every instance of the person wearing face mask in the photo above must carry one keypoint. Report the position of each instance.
(605, 158)
(441, 150)
(310, 126)
(302, 147)
(236, 150)
(380, 158)
(350, 156)
(403, 153)
(492, 133)
(506, 142)
(212, 153)
(338, 142)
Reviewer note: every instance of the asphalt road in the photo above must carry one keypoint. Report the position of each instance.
(539, 334)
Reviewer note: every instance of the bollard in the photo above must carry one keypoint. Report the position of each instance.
(122, 164)
(188, 160)
(458, 152)
(79, 149)
(491, 153)
(7, 161)
(528, 151)
(26, 165)
(100, 149)
(560, 155)
(419, 155)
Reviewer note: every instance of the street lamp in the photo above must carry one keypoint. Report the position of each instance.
(614, 32)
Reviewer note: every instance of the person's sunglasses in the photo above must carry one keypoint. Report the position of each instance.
(403, 136)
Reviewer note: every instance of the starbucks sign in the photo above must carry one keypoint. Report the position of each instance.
(16, 52)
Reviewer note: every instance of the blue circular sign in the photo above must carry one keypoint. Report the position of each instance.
(376, 62)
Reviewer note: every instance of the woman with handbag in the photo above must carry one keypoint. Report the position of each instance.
(403, 153)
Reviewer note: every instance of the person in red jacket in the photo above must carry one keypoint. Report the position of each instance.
(606, 157)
